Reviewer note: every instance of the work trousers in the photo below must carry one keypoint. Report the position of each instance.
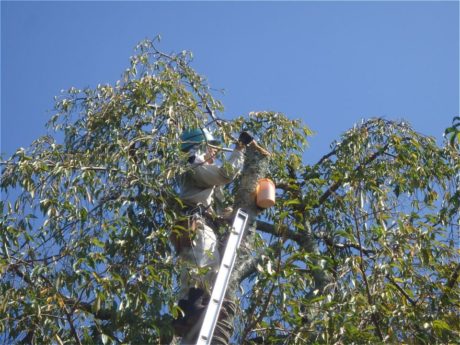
(200, 261)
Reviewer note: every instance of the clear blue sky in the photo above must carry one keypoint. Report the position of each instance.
(329, 63)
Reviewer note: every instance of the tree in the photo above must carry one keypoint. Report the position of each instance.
(360, 247)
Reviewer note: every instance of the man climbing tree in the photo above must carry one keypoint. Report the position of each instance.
(197, 245)
(361, 246)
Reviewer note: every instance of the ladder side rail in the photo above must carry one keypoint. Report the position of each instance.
(222, 279)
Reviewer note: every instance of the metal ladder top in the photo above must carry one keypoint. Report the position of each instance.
(222, 279)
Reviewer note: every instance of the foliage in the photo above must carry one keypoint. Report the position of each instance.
(360, 248)
(383, 205)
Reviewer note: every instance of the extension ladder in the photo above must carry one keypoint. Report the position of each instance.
(222, 279)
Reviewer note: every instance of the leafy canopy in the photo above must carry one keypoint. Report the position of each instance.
(360, 247)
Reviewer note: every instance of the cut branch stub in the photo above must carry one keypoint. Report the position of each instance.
(255, 168)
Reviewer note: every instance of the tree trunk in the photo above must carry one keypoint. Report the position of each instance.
(255, 168)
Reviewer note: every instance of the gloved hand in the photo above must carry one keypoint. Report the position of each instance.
(191, 159)
(245, 138)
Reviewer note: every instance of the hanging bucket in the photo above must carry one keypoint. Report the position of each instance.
(265, 193)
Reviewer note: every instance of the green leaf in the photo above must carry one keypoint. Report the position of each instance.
(105, 338)
(97, 242)
(83, 214)
(292, 202)
(441, 325)
(346, 235)
(269, 268)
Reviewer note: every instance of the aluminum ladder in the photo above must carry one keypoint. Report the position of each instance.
(222, 279)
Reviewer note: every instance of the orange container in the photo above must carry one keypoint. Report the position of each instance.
(265, 193)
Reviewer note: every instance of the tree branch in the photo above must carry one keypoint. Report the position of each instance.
(326, 156)
(101, 314)
(453, 279)
(451, 282)
(370, 299)
(404, 293)
(280, 230)
(304, 240)
(360, 167)
(255, 168)
(72, 327)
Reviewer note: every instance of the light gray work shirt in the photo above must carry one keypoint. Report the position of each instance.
(198, 185)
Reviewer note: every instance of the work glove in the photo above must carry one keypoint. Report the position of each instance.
(245, 138)
(191, 159)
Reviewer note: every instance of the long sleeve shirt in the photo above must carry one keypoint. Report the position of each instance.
(198, 184)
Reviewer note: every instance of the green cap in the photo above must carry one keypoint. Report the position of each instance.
(196, 136)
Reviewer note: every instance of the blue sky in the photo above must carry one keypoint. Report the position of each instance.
(329, 63)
